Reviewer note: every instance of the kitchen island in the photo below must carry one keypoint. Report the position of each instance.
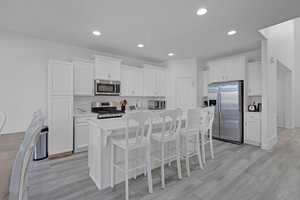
(100, 133)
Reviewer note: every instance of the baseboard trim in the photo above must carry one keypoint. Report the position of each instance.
(60, 155)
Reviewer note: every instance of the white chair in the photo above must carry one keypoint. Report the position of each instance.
(171, 126)
(2, 121)
(190, 134)
(139, 121)
(206, 131)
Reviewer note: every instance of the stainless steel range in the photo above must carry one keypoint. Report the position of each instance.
(105, 110)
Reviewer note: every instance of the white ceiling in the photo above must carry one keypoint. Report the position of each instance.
(162, 25)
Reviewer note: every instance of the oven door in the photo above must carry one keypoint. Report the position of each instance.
(103, 87)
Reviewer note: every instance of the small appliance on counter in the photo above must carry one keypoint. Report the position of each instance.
(156, 104)
(105, 110)
(255, 107)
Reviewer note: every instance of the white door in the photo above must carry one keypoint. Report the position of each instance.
(60, 78)
(185, 93)
(83, 78)
(60, 124)
(205, 83)
(160, 83)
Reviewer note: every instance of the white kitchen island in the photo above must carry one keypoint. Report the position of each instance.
(100, 132)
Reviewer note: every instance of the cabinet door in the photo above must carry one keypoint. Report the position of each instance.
(60, 124)
(185, 95)
(254, 79)
(107, 68)
(81, 136)
(83, 78)
(139, 82)
(60, 78)
(126, 81)
(235, 68)
(252, 133)
(149, 82)
(205, 83)
(160, 83)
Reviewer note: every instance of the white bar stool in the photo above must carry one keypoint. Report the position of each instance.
(206, 131)
(139, 121)
(191, 133)
(171, 127)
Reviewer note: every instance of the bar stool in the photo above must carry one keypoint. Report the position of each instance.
(191, 133)
(206, 131)
(171, 126)
(139, 121)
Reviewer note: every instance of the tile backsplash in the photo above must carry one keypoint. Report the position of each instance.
(84, 102)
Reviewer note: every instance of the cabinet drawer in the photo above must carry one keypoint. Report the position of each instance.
(253, 116)
(79, 120)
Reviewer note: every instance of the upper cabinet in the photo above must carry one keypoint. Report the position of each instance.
(154, 83)
(205, 83)
(227, 69)
(254, 79)
(83, 78)
(107, 68)
(60, 78)
(131, 81)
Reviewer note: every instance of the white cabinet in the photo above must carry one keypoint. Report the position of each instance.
(252, 133)
(227, 69)
(60, 78)
(205, 77)
(81, 132)
(60, 124)
(154, 83)
(60, 106)
(107, 68)
(83, 78)
(131, 81)
(254, 79)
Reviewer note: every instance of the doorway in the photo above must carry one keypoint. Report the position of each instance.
(284, 96)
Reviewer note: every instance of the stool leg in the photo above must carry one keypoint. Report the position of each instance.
(187, 162)
(198, 151)
(178, 158)
(112, 168)
(136, 153)
(203, 147)
(126, 175)
(211, 145)
(149, 174)
(162, 167)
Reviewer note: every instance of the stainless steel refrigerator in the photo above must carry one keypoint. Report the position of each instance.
(228, 100)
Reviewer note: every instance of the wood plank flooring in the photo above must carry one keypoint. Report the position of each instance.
(237, 173)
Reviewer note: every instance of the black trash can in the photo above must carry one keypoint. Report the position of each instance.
(41, 147)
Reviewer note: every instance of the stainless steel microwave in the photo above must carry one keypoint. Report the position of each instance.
(107, 88)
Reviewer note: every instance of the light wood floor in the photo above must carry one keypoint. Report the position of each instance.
(237, 173)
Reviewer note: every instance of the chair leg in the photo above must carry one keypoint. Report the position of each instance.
(112, 168)
(211, 145)
(126, 176)
(198, 151)
(178, 159)
(162, 167)
(187, 162)
(149, 174)
(203, 147)
(136, 161)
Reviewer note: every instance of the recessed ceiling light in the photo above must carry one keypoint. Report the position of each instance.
(232, 32)
(96, 33)
(140, 45)
(171, 54)
(201, 11)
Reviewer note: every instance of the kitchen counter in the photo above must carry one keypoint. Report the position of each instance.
(100, 133)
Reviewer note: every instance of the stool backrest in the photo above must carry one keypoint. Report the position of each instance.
(2, 121)
(171, 124)
(195, 119)
(141, 120)
(210, 116)
(17, 187)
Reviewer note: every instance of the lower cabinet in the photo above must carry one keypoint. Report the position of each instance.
(252, 133)
(81, 133)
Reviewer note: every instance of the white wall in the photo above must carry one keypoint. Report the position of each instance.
(23, 75)
(178, 69)
(297, 72)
